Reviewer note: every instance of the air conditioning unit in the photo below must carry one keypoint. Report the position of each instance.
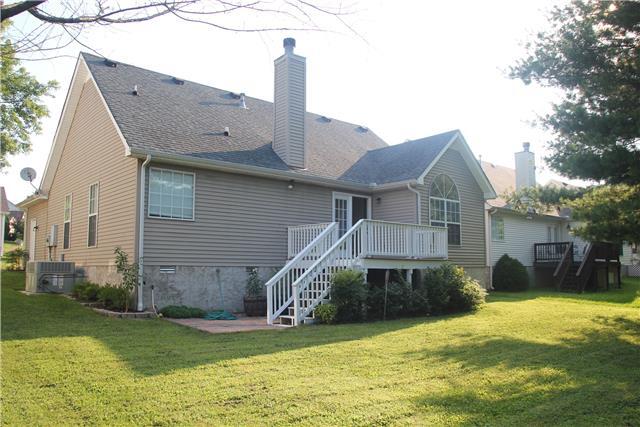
(50, 276)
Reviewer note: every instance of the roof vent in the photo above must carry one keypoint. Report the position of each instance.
(243, 104)
(234, 95)
(110, 63)
(178, 81)
(325, 119)
(362, 129)
(135, 90)
(226, 131)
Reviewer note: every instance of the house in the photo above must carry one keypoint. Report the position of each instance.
(541, 240)
(200, 184)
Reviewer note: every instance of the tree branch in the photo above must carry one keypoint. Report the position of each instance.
(11, 10)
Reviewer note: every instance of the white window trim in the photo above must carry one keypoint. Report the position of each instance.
(349, 197)
(70, 196)
(445, 208)
(89, 214)
(193, 197)
(493, 235)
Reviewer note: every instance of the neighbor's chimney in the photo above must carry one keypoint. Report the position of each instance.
(525, 168)
(289, 102)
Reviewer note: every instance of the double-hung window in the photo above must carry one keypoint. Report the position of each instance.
(66, 229)
(171, 194)
(444, 207)
(92, 234)
(497, 228)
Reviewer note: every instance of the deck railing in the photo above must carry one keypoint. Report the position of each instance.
(550, 252)
(306, 279)
(299, 236)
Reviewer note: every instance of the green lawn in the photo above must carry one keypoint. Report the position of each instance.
(534, 358)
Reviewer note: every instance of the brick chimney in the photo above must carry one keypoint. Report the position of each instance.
(525, 168)
(290, 106)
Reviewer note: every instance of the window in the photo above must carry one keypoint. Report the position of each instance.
(444, 207)
(171, 194)
(92, 235)
(497, 228)
(66, 229)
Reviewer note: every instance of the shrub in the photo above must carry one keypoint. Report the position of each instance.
(326, 313)
(348, 294)
(86, 291)
(15, 259)
(254, 284)
(181, 312)
(450, 290)
(129, 273)
(398, 300)
(113, 297)
(510, 275)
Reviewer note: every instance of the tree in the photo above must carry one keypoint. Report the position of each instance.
(59, 24)
(21, 107)
(592, 53)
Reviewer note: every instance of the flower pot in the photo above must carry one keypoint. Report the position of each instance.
(255, 306)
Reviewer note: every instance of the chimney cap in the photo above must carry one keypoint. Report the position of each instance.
(289, 42)
(526, 145)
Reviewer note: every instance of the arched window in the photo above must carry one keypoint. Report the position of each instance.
(444, 207)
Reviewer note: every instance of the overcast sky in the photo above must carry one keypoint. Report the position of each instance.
(415, 68)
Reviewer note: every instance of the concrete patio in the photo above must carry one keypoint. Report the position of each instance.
(242, 324)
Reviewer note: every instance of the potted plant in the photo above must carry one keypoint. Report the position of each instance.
(255, 303)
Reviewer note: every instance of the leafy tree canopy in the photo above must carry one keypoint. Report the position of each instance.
(21, 107)
(592, 52)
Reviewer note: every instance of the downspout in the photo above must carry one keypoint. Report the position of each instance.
(418, 200)
(488, 239)
(143, 179)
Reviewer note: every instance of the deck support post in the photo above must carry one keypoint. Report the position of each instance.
(409, 276)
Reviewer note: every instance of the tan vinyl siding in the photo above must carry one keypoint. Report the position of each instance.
(239, 221)
(38, 213)
(394, 206)
(94, 153)
(472, 251)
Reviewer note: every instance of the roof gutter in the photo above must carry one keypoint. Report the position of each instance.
(177, 159)
(32, 200)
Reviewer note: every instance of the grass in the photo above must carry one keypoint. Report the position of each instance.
(533, 358)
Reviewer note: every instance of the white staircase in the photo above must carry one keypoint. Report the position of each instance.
(304, 282)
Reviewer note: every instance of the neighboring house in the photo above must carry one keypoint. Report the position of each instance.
(537, 239)
(199, 184)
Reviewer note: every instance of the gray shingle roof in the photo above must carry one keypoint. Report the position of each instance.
(398, 162)
(190, 119)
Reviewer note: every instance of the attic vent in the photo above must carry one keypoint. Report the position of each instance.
(325, 119)
(234, 95)
(362, 129)
(178, 81)
(110, 63)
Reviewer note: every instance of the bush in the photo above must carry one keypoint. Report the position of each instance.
(450, 290)
(181, 312)
(254, 286)
(15, 259)
(86, 291)
(113, 297)
(326, 313)
(510, 275)
(398, 301)
(348, 294)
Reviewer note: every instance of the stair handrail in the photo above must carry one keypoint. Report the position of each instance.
(563, 266)
(295, 262)
(326, 260)
(586, 266)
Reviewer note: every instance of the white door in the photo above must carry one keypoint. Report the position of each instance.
(349, 209)
(32, 240)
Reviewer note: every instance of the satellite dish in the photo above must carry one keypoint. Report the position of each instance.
(28, 174)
